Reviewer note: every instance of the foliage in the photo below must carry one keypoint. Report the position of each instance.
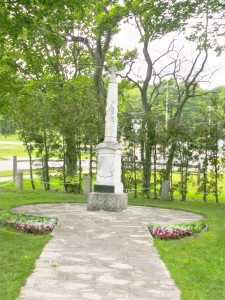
(29, 224)
(177, 231)
(54, 73)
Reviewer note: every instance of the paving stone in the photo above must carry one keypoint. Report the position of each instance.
(102, 255)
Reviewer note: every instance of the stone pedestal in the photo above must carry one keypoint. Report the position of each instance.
(108, 189)
(107, 202)
(109, 168)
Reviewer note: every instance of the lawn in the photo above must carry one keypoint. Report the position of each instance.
(11, 146)
(9, 138)
(17, 256)
(196, 263)
(6, 173)
(18, 251)
(12, 149)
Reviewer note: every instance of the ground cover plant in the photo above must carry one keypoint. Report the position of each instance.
(176, 231)
(28, 224)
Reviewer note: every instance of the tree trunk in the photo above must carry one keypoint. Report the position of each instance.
(155, 172)
(169, 162)
(64, 166)
(100, 96)
(90, 165)
(135, 171)
(216, 174)
(80, 171)
(46, 177)
(29, 151)
(147, 143)
(205, 176)
(71, 156)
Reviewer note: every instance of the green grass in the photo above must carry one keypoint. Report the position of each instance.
(9, 138)
(56, 184)
(196, 263)
(18, 251)
(3, 158)
(192, 194)
(6, 173)
(16, 198)
(10, 150)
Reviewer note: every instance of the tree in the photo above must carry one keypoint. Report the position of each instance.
(210, 137)
(95, 32)
(62, 50)
(153, 20)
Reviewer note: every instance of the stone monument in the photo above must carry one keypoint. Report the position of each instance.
(108, 189)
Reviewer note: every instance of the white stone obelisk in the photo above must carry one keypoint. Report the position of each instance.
(108, 189)
(111, 109)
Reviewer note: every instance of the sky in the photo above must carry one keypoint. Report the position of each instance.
(128, 38)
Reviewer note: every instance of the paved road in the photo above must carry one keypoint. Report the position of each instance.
(23, 164)
(102, 255)
(6, 165)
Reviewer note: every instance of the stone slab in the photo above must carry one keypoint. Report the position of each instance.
(165, 190)
(87, 185)
(107, 202)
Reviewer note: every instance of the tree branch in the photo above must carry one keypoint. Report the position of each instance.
(82, 40)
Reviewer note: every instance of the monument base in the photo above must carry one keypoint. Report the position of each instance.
(107, 202)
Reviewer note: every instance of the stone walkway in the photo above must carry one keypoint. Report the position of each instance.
(101, 255)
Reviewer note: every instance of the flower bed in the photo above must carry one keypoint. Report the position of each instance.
(177, 231)
(28, 224)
